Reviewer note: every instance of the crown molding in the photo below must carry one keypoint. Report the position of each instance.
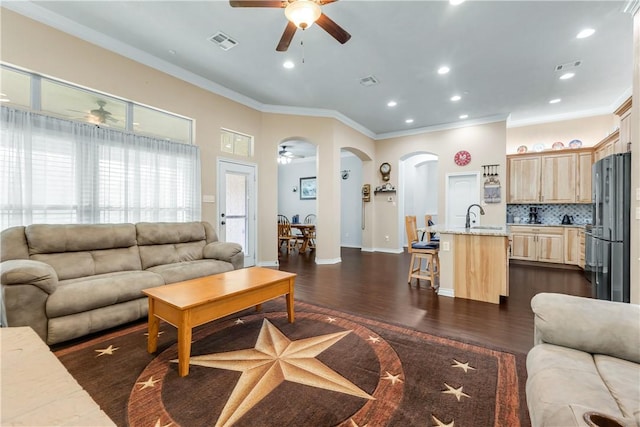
(575, 115)
(445, 126)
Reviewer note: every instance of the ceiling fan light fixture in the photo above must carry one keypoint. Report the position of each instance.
(303, 13)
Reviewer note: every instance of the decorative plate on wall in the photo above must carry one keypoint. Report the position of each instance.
(522, 149)
(462, 158)
(557, 145)
(538, 148)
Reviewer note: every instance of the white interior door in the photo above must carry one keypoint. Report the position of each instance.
(237, 206)
(462, 190)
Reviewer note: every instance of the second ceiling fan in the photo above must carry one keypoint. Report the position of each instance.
(301, 14)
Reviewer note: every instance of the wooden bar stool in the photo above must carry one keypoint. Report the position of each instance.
(421, 251)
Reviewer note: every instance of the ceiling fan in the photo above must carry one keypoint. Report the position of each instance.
(101, 114)
(287, 153)
(285, 156)
(98, 115)
(301, 14)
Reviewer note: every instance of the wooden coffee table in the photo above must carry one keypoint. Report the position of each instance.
(194, 302)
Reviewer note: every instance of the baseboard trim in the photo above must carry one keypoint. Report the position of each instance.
(268, 264)
(545, 264)
(446, 292)
(389, 251)
(328, 260)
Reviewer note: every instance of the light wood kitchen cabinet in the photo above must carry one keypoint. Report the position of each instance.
(624, 112)
(606, 147)
(583, 192)
(523, 246)
(524, 179)
(557, 177)
(545, 244)
(573, 252)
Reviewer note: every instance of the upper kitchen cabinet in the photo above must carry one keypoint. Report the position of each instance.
(619, 140)
(624, 141)
(524, 179)
(555, 177)
(558, 179)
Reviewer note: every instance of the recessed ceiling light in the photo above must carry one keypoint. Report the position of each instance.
(288, 64)
(456, 98)
(408, 121)
(567, 76)
(443, 70)
(464, 116)
(555, 101)
(585, 33)
(172, 52)
(392, 104)
(455, 2)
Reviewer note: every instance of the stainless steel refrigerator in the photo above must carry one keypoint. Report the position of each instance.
(607, 245)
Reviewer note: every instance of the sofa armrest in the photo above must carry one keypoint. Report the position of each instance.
(590, 325)
(28, 272)
(225, 251)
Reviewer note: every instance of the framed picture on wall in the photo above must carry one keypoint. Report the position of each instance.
(308, 188)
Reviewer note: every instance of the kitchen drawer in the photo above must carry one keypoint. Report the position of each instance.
(536, 229)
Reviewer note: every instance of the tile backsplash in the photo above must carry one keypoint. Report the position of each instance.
(552, 214)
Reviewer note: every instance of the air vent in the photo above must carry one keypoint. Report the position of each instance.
(368, 81)
(223, 41)
(568, 65)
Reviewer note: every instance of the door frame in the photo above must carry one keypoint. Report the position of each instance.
(252, 221)
(448, 176)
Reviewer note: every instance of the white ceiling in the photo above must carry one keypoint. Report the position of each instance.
(502, 56)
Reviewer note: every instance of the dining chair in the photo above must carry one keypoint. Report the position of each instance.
(311, 233)
(429, 237)
(285, 235)
(421, 251)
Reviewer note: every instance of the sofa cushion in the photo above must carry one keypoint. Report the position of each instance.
(158, 233)
(88, 293)
(14, 244)
(54, 238)
(154, 255)
(180, 271)
(560, 376)
(71, 265)
(622, 378)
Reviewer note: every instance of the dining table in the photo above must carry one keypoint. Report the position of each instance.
(308, 231)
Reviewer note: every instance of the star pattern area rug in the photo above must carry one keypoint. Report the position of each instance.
(326, 369)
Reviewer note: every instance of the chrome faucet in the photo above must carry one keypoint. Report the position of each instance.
(467, 221)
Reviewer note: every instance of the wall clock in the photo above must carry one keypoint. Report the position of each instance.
(385, 170)
(462, 158)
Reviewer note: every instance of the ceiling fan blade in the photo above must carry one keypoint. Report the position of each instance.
(335, 30)
(257, 3)
(286, 38)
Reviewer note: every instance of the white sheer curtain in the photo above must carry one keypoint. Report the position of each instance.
(62, 172)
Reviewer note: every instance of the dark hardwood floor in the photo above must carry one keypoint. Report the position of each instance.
(375, 285)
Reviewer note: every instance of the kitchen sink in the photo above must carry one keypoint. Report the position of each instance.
(487, 227)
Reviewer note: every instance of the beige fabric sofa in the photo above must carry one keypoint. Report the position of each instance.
(67, 281)
(586, 358)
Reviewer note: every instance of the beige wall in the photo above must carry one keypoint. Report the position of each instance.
(486, 144)
(589, 130)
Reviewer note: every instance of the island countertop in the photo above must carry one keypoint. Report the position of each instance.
(480, 230)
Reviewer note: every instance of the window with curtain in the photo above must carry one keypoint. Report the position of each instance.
(59, 171)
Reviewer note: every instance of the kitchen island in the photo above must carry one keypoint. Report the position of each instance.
(478, 266)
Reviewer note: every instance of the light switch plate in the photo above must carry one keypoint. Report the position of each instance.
(638, 194)
(637, 213)
(445, 246)
(208, 199)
